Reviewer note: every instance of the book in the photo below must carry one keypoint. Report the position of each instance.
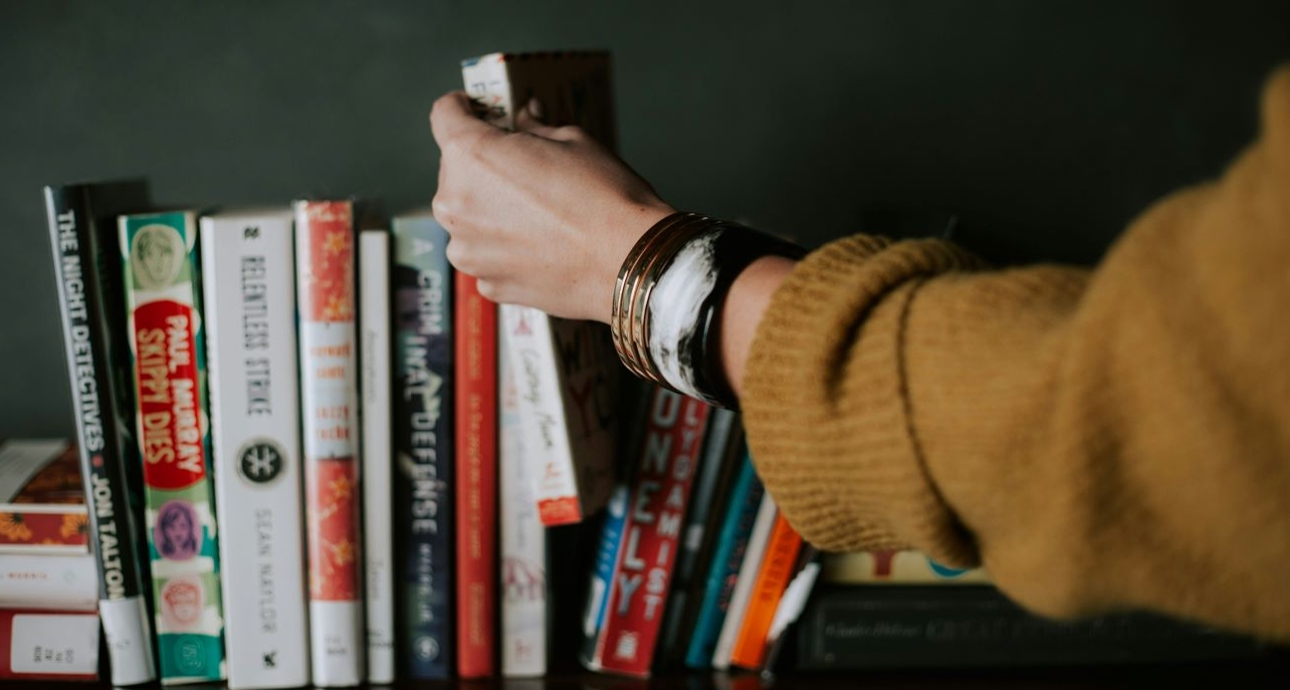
(378, 517)
(567, 371)
(330, 432)
(850, 628)
(754, 553)
(895, 567)
(660, 495)
(476, 478)
(720, 462)
(45, 645)
(523, 576)
(790, 608)
(168, 358)
(249, 300)
(777, 568)
(42, 499)
(723, 567)
(52, 583)
(87, 266)
(608, 549)
(423, 447)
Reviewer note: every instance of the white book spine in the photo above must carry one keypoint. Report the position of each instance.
(523, 540)
(753, 555)
(249, 289)
(55, 582)
(541, 413)
(378, 549)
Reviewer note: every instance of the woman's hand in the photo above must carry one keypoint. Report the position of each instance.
(543, 216)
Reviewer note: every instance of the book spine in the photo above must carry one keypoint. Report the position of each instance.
(710, 485)
(55, 582)
(608, 551)
(39, 645)
(790, 608)
(660, 495)
(329, 415)
(423, 438)
(723, 570)
(854, 628)
(476, 431)
(523, 542)
(542, 416)
(88, 273)
(378, 546)
(167, 340)
(754, 553)
(776, 568)
(250, 320)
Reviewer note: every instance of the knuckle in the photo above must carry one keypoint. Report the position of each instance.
(488, 289)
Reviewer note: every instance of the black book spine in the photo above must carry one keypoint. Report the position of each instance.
(422, 414)
(87, 269)
(871, 627)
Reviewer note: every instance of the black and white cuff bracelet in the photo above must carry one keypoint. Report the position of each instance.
(668, 299)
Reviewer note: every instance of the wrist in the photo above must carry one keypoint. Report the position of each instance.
(669, 298)
(633, 222)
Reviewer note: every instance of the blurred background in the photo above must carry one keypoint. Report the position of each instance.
(1044, 126)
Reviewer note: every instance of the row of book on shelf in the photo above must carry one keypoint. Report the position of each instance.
(313, 453)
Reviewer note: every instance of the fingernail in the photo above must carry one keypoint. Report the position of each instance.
(535, 109)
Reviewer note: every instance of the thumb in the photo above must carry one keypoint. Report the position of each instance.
(452, 117)
(531, 119)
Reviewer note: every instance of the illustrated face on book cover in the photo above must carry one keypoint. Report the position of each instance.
(158, 253)
(177, 532)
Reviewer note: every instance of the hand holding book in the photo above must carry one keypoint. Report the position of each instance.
(542, 216)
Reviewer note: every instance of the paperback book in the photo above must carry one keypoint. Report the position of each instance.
(167, 342)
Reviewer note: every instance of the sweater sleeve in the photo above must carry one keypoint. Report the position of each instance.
(1105, 439)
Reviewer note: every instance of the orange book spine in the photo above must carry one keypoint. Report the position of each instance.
(772, 579)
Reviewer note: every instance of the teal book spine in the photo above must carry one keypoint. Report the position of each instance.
(168, 363)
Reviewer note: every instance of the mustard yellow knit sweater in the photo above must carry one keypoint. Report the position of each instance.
(1098, 439)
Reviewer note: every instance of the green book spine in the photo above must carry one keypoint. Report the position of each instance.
(163, 301)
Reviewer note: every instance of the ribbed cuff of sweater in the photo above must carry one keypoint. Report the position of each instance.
(825, 402)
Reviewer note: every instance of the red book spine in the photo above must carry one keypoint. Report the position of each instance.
(652, 533)
(776, 570)
(476, 422)
(330, 432)
(49, 645)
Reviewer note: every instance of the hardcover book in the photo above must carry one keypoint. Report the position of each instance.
(721, 456)
(250, 320)
(777, 568)
(476, 478)
(849, 628)
(567, 371)
(87, 266)
(44, 645)
(423, 447)
(754, 554)
(723, 568)
(330, 429)
(651, 535)
(167, 341)
(42, 499)
(895, 567)
(378, 546)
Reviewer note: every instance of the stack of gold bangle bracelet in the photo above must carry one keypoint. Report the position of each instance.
(630, 318)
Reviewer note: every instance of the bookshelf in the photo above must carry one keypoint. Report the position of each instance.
(946, 106)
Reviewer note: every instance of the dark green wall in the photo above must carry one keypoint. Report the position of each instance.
(1046, 125)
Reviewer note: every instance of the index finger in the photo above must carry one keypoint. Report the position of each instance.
(452, 116)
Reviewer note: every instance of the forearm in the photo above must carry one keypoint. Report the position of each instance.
(746, 303)
(1099, 439)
